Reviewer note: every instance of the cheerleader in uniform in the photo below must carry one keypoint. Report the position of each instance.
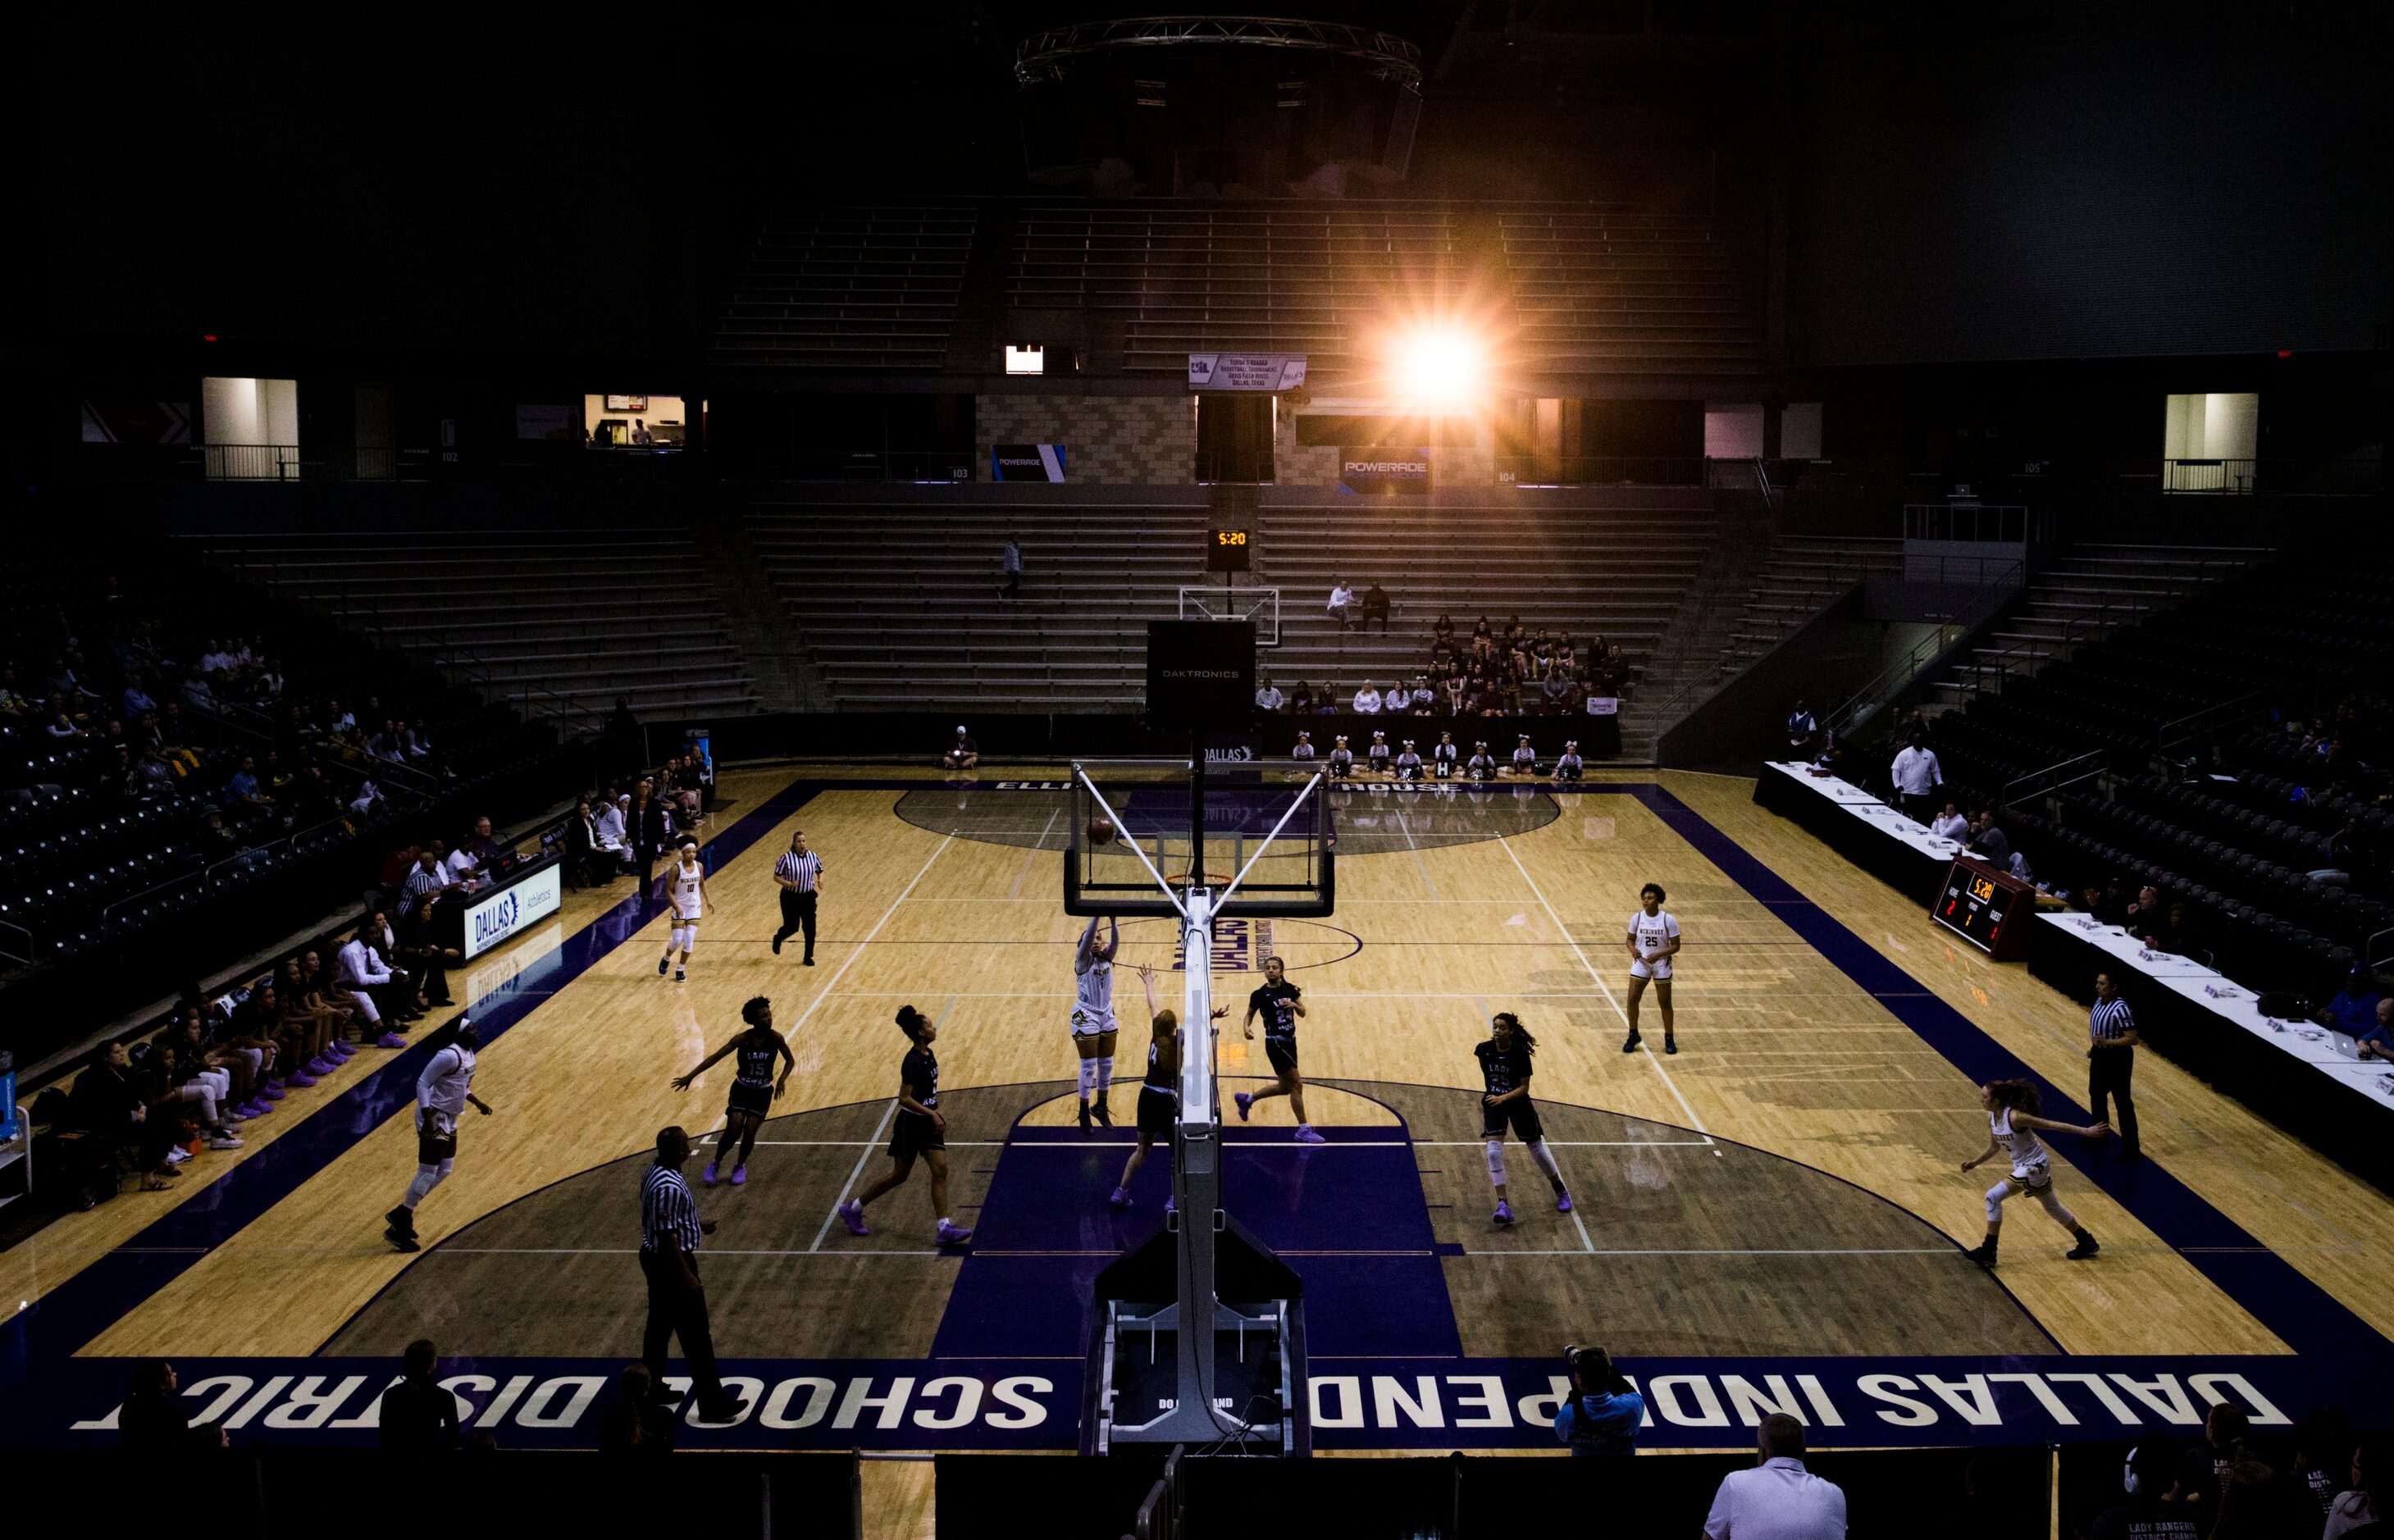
(1342, 760)
(1569, 766)
(1442, 756)
(1379, 755)
(2012, 1126)
(1481, 765)
(1525, 758)
(1408, 764)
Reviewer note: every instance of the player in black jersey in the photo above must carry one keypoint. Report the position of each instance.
(1277, 1002)
(1159, 1094)
(754, 1089)
(918, 1129)
(1505, 1070)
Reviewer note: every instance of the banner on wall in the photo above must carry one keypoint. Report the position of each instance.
(1384, 470)
(1245, 371)
(1026, 462)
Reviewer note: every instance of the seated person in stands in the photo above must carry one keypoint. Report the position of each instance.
(1566, 654)
(1367, 701)
(2144, 912)
(1442, 629)
(962, 755)
(1325, 699)
(585, 862)
(2354, 1010)
(1303, 752)
(1949, 824)
(1377, 755)
(1268, 699)
(1554, 692)
(1513, 632)
(1342, 601)
(1987, 842)
(1302, 704)
(607, 827)
(244, 785)
(1423, 702)
(2344, 850)
(1455, 693)
(1571, 766)
(2379, 1041)
(1376, 602)
(1342, 760)
(2108, 903)
(2176, 932)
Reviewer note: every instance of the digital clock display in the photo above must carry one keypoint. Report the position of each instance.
(1229, 537)
(1974, 905)
(1227, 551)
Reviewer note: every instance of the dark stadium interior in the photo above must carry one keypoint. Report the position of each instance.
(432, 434)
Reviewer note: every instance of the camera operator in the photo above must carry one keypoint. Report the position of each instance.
(1602, 1418)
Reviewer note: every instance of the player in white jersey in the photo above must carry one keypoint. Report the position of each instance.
(686, 890)
(1653, 940)
(2012, 1126)
(443, 1090)
(1093, 1018)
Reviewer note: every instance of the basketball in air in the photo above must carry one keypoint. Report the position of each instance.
(1101, 831)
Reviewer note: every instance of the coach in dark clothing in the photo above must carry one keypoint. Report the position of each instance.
(669, 1231)
(152, 1416)
(2110, 1054)
(645, 829)
(417, 1412)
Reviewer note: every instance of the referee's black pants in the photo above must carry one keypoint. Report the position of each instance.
(677, 1310)
(2107, 1076)
(797, 913)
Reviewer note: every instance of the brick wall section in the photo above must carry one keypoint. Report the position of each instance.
(1134, 440)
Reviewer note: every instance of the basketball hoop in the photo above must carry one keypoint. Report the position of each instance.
(1180, 882)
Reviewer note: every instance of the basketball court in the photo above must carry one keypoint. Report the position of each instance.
(1772, 1218)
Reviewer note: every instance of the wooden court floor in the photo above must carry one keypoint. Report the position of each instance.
(1803, 1119)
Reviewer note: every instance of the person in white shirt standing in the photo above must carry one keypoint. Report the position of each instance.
(1778, 1499)
(442, 1091)
(1917, 775)
(1950, 824)
(1653, 941)
(1342, 601)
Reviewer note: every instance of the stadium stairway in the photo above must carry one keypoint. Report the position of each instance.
(2081, 598)
(573, 623)
(919, 625)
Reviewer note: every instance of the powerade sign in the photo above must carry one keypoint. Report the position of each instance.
(1026, 462)
(501, 914)
(1384, 470)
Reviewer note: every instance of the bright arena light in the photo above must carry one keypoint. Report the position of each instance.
(1439, 367)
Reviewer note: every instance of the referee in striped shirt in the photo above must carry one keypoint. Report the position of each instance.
(2110, 1054)
(669, 1230)
(799, 876)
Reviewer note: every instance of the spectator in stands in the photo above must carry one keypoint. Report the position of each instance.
(1325, 699)
(245, 786)
(1458, 693)
(196, 693)
(1398, 700)
(2147, 1513)
(2363, 1507)
(1302, 704)
(2353, 1011)
(962, 755)
(63, 723)
(1342, 601)
(681, 791)
(1441, 631)
(2379, 1042)
(1778, 1498)
(1268, 699)
(1009, 566)
(153, 1417)
(580, 839)
(1376, 602)
(2108, 903)
(1918, 776)
(636, 1421)
(1554, 692)
(1602, 1414)
(417, 1411)
(1367, 701)
(1987, 842)
(1803, 732)
(366, 797)
(1950, 824)
(607, 829)
(363, 975)
(137, 700)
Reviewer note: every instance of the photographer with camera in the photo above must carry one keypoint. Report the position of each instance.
(1602, 1416)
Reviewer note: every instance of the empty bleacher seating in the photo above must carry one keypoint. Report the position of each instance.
(866, 287)
(561, 623)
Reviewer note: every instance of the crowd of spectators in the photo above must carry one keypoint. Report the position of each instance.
(1490, 671)
(615, 832)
